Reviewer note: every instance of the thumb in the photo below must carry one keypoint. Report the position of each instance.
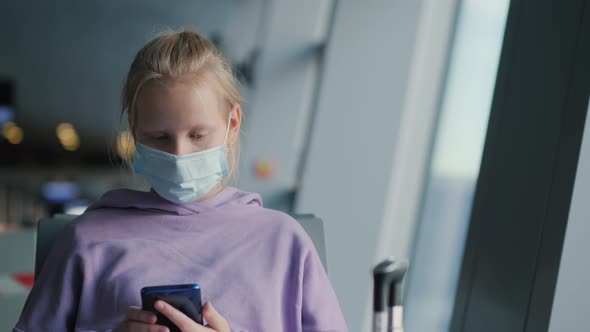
(214, 319)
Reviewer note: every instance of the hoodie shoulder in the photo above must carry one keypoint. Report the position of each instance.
(240, 197)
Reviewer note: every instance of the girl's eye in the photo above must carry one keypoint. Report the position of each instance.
(160, 137)
(196, 136)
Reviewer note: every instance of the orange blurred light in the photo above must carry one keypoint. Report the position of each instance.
(67, 136)
(13, 133)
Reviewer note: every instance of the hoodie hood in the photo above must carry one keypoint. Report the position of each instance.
(142, 200)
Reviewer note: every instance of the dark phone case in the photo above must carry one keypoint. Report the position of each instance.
(188, 301)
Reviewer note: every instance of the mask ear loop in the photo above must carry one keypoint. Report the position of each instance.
(227, 131)
(226, 135)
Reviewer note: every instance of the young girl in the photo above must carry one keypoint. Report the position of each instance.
(258, 266)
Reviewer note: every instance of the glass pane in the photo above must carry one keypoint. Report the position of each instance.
(465, 107)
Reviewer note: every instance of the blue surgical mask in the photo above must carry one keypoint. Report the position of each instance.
(182, 179)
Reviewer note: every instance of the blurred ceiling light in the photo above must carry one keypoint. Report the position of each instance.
(125, 145)
(67, 136)
(13, 133)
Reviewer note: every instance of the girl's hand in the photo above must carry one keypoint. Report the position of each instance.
(216, 323)
(137, 320)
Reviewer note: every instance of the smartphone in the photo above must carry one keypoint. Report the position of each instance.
(186, 298)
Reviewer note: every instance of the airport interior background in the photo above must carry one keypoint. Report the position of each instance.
(371, 115)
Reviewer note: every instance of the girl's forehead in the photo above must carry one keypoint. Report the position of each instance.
(183, 91)
(180, 100)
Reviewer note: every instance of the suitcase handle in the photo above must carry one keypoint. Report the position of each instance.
(387, 284)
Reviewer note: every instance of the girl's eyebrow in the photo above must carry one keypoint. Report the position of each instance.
(201, 127)
(166, 131)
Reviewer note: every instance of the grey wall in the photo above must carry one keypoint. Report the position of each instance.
(277, 116)
(350, 165)
(572, 293)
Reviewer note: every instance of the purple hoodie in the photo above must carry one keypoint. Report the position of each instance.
(257, 266)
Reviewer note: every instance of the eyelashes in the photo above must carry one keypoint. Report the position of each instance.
(166, 137)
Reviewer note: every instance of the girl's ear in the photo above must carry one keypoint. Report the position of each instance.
(235, 123)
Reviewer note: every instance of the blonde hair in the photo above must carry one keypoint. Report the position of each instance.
(170, 56)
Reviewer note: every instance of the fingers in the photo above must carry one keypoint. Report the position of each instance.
(179, 319)
(138, 315)
(137, 320)
(133, 326)
(214, 319)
